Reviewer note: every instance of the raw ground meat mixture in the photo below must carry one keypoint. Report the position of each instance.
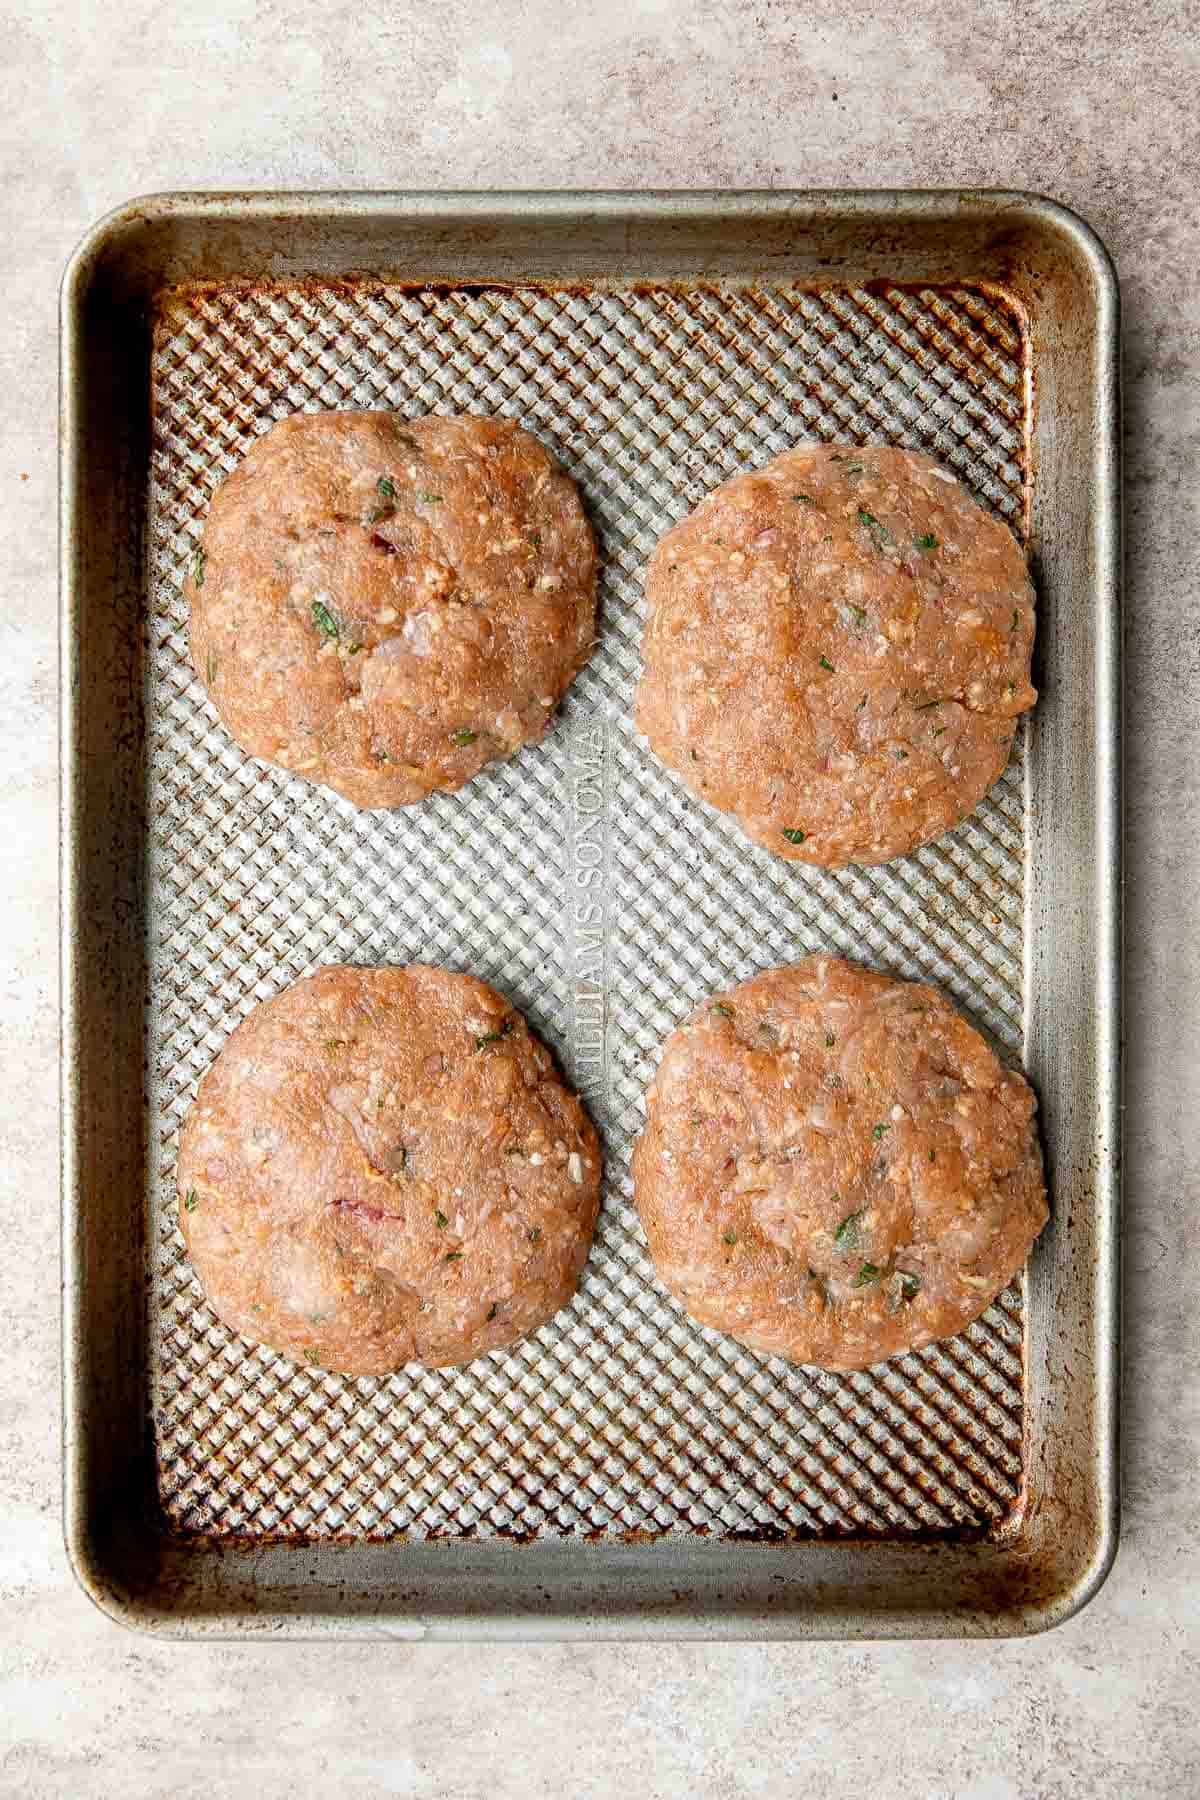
(837, 652)
(835, 1166)
(383, 1166)
(384, 605)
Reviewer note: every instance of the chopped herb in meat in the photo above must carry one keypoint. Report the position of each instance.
(313, 1356)
(493, 1037)
(880, 534)
(926, 542)
(440, 1219)
(719, 1006)
(385, 484)
(191, 1200)
(910, 1286)
(452, 1256)
(866, 1275)
(826, 664)
(860, 614)
(428, 498)
(463, 737)
(804, 499)
(325, 622)
(534, 1233)
(938, 731)
(879, 1131)
(730, 1237)
(830, 1040)
(846, 1235)
(793, 835)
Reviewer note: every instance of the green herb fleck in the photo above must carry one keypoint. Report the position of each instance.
(846, 1235)
(938, 731)
(191, 1200)
(877, 528)
(378, 513)
(793, 835)
(324, 621)
(257, 1307)
(452, 1256)
(493, 1037)
(198, 562)
(313, 1356)
(514, 1149)
(900, 755)
(336, 1043)
(464, 736)
(866, 1275)
(861, 704)
(386, 485)
(826, 664)
(860, 614)
(926, 542)
(830, 1040)
(353, 649)
(440, 1219)
(804, 499)
(493, 1309)
(879, 1131)
(719, 1006)
(730, 1237)
(535, 539)
(933, 1156)
(428, 498)
(534, 1234)
(910, 1286)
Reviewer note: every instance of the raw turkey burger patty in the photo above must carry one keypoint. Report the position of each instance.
(382, 1166)
(384, 604)
(837, 652)
(835, 1167)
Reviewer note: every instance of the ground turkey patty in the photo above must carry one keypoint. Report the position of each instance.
(382, 1167)
(386, 604)
(835, 1167)
(837, 652)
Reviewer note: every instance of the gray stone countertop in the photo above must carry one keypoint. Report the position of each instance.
(1094, 104)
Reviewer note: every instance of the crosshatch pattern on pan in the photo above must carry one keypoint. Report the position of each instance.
(619, 1417)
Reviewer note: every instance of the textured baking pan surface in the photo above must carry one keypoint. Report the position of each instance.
(640, 1471)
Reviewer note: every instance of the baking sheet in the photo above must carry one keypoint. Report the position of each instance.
(621, 1423)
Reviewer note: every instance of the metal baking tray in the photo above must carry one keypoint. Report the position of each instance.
(625, 1472)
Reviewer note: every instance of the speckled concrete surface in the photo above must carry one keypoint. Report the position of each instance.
(1092, 103)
